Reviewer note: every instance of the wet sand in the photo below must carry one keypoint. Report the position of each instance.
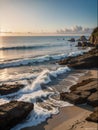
(70, 117)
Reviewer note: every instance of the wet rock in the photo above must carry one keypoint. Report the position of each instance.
(93, 117)
(94, 37)
(72, 40)
(85, 44)
(87, 63)
(13, 113)
(87, 60)
(93, 99)
(77, 97)
(91, 87)
(82, 38)
(79, 44)
(7, 88)
(83, 92)
(81, 85)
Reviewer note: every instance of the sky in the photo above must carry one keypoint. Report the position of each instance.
(48, 16)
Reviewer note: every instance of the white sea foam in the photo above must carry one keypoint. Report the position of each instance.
(39, 114)
(18, 77)
(43, 78)
(40, 59)
(32, 92)
(3, 101)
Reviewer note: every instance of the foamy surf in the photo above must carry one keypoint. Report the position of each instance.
(43, 81)
(38, 115)
(41, 59)
(43, 78)
(33, 92)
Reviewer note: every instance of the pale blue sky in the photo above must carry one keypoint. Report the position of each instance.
(47, 15)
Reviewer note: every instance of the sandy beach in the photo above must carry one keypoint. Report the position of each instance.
(79, 96)
(48, 65)
(72, 117)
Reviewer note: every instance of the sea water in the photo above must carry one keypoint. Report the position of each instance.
(34, 59)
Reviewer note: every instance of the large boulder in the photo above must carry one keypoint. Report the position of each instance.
(77, 97)
(72, 40)
(7, 88)
(93, 117)
(13, 113)
(83, 92)
(93, 99)
(87, 63)
(83, 39)
(84, 85)
(91, 87)
(88, 60)
(85, 44)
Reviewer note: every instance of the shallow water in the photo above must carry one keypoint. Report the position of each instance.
(33, 59)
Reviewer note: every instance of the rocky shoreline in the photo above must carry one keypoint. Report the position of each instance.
(85, 91)
(85, 61)
(10, 88)
(13, 113)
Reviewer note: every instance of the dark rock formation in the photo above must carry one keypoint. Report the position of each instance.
(85, 44)
(94, 36)
(93, 116)
(88, 60)
(7, 89)
(12, 113)
(72, 40)
(84, 85)
(83, 39)
(93, 99)
(83, 92)
(77, 97)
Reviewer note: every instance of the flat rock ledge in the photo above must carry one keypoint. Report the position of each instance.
(93, 117)
(84, 92)
(8, 89)
(13, 113)
(85, 61)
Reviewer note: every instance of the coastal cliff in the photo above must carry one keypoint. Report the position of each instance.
(94, 36)
(86, 91)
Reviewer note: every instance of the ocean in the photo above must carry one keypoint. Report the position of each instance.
(32, 61)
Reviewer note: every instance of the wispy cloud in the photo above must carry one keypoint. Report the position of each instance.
(75, 30)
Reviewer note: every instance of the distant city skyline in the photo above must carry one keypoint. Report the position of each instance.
(51, 17)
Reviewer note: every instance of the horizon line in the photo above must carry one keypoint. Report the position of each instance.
(41, 34)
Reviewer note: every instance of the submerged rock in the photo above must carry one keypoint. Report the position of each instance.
(72, 40)
(13, 113)
(7, 88)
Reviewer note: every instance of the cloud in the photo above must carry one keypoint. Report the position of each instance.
(75, 30)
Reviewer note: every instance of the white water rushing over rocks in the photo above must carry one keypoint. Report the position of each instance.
(32, 62)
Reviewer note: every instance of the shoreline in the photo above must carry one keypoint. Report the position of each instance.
(70, 117)
(54, 123)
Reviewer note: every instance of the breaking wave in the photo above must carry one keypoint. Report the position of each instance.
(40, 59)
